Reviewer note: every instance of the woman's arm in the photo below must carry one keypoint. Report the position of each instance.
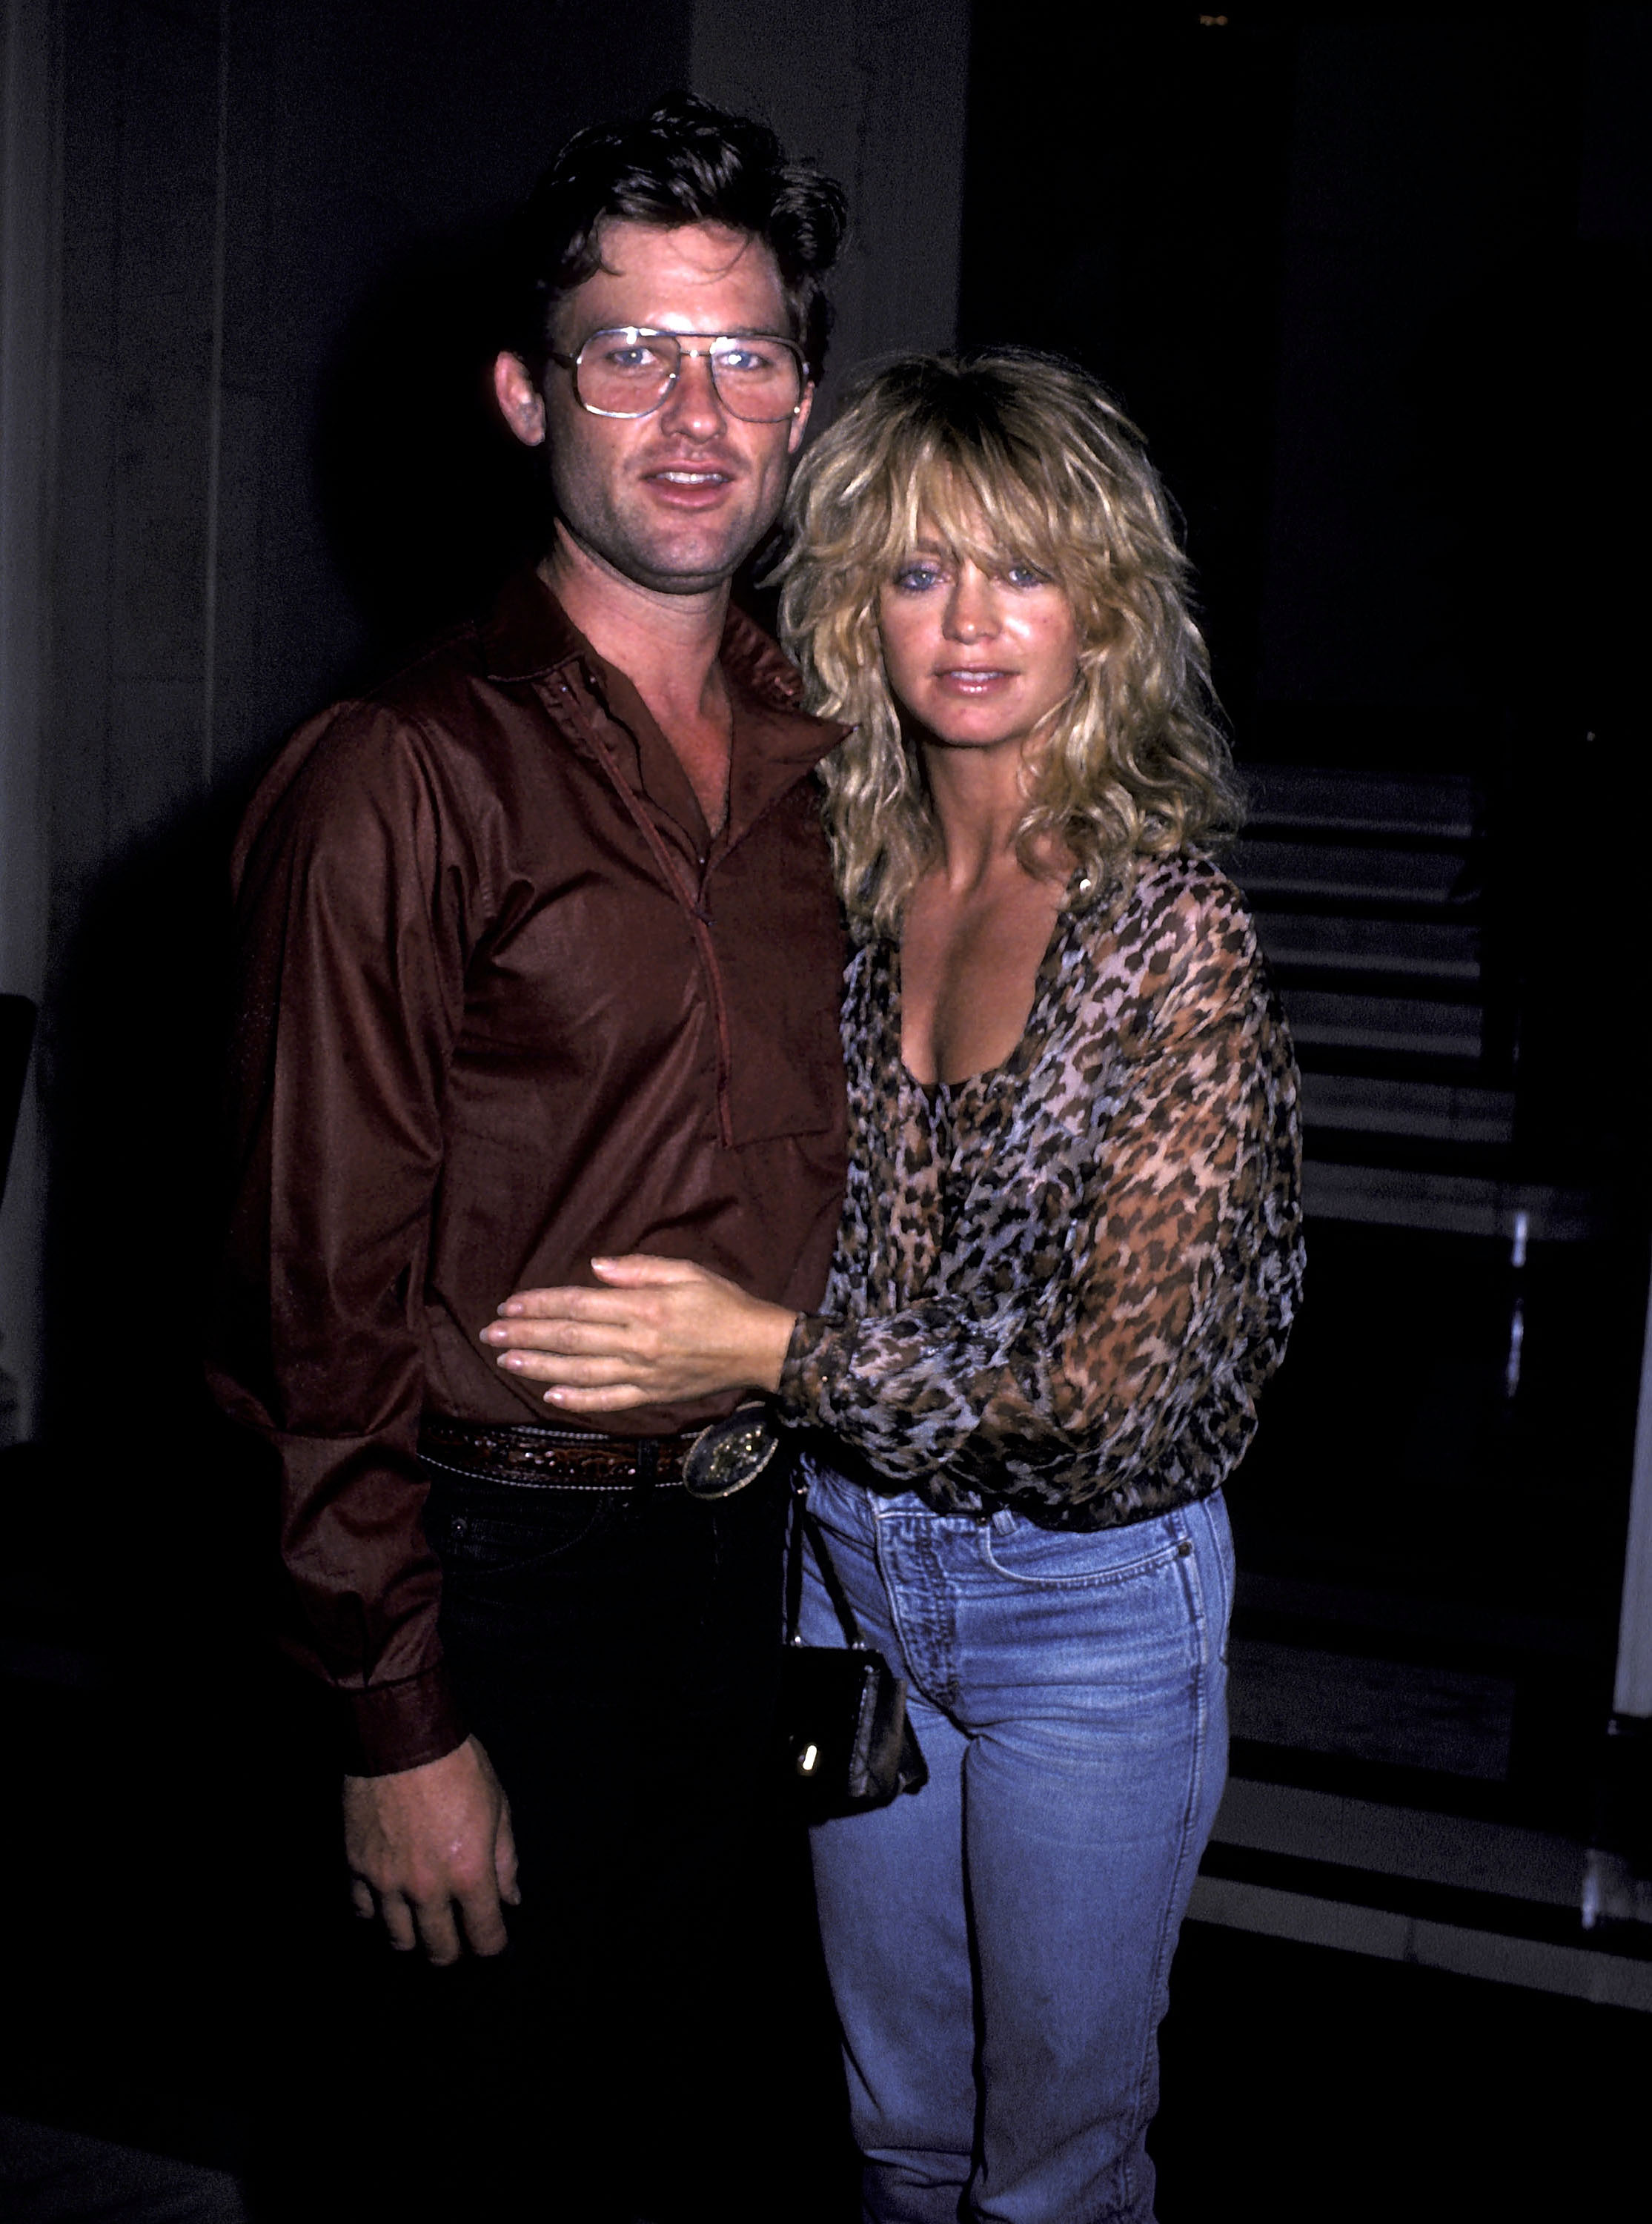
(1176, 1267)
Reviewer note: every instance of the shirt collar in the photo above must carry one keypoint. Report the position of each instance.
(529, 636)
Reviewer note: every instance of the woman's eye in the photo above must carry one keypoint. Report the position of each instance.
(913, 579)
(1026, 575)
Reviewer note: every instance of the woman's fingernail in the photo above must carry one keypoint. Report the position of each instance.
(553, 1397)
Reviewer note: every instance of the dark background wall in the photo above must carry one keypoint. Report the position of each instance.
(1370, 280)
(1373, 281)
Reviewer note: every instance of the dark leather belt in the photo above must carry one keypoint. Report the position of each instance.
(566, 1459)
(712, 1463)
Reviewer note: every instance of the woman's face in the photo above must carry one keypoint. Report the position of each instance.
(978, 658)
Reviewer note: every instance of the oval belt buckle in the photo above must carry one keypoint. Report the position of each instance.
(725, 1458)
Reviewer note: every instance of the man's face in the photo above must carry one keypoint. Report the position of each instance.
(677, 500)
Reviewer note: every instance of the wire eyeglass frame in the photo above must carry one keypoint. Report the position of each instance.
(635, 333)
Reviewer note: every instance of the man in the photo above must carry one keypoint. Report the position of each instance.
(541, 962)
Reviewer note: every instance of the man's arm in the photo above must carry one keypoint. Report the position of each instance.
(349, 897)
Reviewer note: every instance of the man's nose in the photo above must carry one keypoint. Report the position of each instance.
(694, 408)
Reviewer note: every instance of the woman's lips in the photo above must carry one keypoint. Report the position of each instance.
(971, 679)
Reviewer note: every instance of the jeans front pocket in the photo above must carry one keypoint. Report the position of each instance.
(1074, 1559)
(493, 1539)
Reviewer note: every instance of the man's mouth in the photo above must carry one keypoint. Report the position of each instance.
(690, 475)
(689, 487)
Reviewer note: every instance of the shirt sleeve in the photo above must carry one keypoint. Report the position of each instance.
(1166, 1304)
(351, 959)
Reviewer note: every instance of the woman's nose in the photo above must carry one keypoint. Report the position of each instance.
(972, 608)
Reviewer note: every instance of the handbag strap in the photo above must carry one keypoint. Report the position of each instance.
(803, 1522)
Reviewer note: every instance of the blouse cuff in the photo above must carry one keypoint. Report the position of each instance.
(817, 1357)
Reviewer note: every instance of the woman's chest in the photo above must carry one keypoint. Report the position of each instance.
(970, 976)
(982, 1180)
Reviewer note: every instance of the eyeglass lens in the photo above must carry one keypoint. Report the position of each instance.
(627, 373)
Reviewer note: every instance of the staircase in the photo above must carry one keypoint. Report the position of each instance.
(1370, 894)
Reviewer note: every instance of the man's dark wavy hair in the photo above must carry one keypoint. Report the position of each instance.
(685, 163)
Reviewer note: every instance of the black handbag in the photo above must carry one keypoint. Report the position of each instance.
(844, 1744)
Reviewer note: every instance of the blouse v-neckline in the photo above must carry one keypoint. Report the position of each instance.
(1016, 1063)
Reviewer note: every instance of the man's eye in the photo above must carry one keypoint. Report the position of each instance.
(745, 359)
(633, 358)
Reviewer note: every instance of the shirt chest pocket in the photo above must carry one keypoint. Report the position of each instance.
(778, 953)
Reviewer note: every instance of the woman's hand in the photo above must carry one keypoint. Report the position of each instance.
(660, 1331)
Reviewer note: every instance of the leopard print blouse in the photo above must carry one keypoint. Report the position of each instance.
(1059, 1285)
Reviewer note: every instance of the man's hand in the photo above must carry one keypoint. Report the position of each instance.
(661, 1331)
(428, 1843)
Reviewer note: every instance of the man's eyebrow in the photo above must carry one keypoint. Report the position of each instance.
(712, 333)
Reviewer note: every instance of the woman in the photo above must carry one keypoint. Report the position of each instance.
(1068, 1259)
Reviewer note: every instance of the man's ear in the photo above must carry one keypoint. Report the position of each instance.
(520, 403)
(794, 438)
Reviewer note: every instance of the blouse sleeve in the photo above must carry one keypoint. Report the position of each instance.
(1136, 1348)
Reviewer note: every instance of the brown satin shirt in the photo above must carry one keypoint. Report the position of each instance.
(504, 1004)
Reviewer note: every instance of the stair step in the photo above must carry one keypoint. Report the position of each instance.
(1437, 952)
(1331, 869)
(1454, 1204)
(1323, 1019)
(1429, 1109)
(1444, 804)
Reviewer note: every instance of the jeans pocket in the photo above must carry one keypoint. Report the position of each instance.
(841, 1507)
(1069, 1559)
(491, 1541)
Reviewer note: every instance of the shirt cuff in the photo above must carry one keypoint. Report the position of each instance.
(391, 1727)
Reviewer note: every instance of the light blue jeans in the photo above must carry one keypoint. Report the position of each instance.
(1000, 1942)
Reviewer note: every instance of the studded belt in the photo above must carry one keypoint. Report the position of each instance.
(712, 1463)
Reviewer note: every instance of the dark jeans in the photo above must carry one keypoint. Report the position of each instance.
(616, 1652)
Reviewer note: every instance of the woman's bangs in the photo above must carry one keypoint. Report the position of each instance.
(990, 517)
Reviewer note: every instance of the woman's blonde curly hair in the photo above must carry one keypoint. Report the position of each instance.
(1010, 457)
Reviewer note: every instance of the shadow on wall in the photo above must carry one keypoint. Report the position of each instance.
(427, 503)
(428, 500)
(136, 1086)
(1533, 464)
